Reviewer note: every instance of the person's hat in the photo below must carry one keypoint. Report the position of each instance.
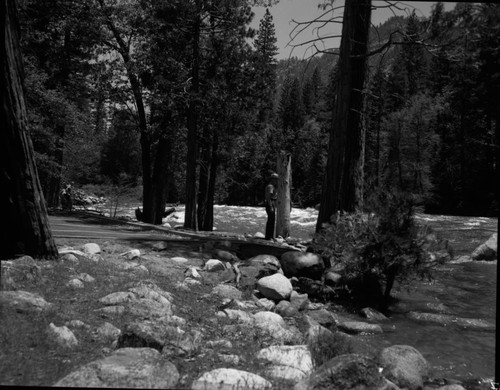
(274, 175)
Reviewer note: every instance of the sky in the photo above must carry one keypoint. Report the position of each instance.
(304, 10)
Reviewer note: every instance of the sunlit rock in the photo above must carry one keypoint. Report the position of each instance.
(125, 368)
(276, 287)
(404, 365)
(486, 251)
(62, 336)
(91, 248)
(230, 379)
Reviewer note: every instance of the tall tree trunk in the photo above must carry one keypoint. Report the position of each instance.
(209, 216)
(25, 222)
(284, 170)
(208, 174)
(377, 152)
(204, 176)
(124, 50)
(190, 215)
(55, 181)
(160, 178)
(343, 183)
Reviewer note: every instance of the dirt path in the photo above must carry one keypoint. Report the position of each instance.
(85, 226)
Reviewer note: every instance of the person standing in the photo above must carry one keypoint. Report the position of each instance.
(271, 196)
(67, 198)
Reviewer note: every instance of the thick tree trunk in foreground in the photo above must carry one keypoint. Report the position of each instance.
(25, 223)
(343, 184)
(284, 171)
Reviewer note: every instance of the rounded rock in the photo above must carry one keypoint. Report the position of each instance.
(276, 287)
(404, 365)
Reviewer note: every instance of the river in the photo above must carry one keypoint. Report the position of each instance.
(465, 290)
(458, 290)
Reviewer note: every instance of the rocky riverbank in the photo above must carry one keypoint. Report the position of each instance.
(108, 315)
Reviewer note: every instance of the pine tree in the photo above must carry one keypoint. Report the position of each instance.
(265, 42)
(265, 64)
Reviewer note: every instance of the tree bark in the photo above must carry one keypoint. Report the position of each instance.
(204, 176)
(284, 171)
(343, 183)
(190, 215)
(209, 217)
(160, 179)
(208, 172)
(24, 214)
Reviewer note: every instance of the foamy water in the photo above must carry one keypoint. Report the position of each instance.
(242, 219)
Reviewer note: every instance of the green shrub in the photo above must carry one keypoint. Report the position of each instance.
(378, 248)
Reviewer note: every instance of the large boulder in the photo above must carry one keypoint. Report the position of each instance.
(23, 301)
(289, 362)
(21, 269)
(488, 250)
(306, 264)
(230, 379)
(275, 326)
(276, 287)
(350, 371)
(125, 368)
(404, 365)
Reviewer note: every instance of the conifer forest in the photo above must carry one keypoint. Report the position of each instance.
(183, 101)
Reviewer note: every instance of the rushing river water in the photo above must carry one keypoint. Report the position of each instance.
(466, 290)
(460, 290)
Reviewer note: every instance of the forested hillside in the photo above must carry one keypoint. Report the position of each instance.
(186, 102)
